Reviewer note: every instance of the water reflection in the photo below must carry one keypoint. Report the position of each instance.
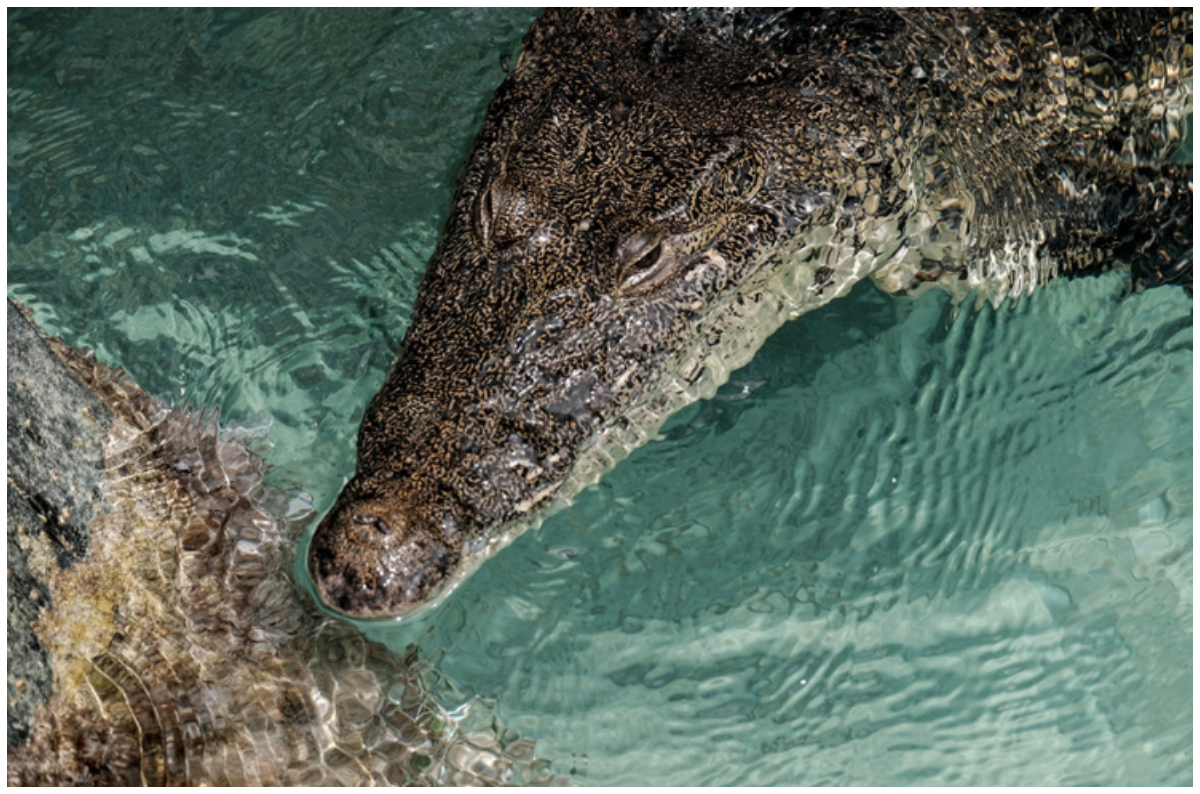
(908, 543)
(908, 558)
(237, 205)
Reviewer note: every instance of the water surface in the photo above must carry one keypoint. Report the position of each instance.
(911, 542)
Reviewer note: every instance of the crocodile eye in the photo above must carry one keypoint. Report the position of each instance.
(505, 214)
(644, 261)
(485, 213)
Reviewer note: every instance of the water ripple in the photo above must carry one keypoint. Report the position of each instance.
(910, 543)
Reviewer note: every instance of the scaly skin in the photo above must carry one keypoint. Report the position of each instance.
(652, 194)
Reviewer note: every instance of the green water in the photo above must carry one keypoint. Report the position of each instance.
(908, 544)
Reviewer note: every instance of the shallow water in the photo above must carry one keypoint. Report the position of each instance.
(908, 543)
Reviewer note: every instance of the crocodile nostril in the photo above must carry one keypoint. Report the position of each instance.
(373, 521)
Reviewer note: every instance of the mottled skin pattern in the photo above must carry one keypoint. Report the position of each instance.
(640, 176)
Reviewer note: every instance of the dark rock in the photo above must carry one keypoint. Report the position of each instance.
(56, 428)
(150, 607)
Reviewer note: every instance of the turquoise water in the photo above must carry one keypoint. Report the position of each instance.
(909, 543)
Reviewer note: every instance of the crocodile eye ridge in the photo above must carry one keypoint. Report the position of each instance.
(505, 213)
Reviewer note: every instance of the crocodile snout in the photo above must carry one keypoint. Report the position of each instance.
(370, 559)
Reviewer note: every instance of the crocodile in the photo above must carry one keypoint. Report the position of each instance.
(653, 193)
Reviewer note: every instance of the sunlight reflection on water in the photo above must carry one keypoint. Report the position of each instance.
(906, 544)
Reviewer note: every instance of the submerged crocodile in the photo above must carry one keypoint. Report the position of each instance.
(652, 194)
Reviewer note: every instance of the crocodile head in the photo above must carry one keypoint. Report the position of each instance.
(614, 247)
